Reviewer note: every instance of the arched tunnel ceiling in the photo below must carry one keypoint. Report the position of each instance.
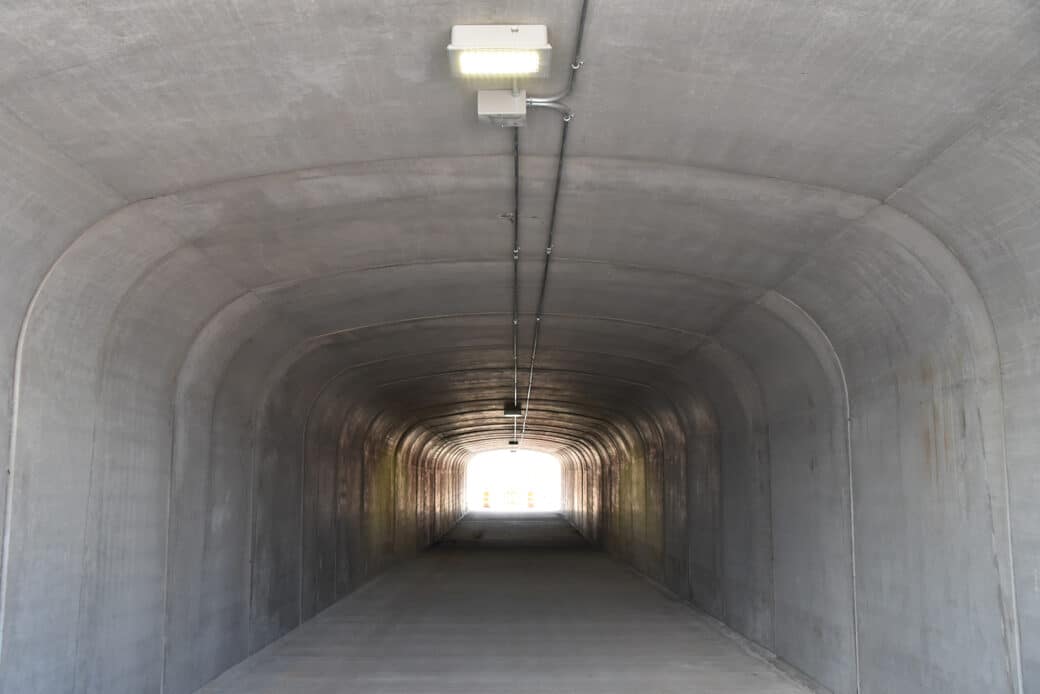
(153, 97)
(319, 160)
(399, 267)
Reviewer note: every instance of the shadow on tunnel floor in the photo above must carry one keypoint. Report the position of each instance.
(492, 530)
(510, 604)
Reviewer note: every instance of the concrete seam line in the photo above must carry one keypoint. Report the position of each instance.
(1021, 685)
(303, 525)
(335, 524)
(9, 473)
(1013, 641)
(178, 393)
(848, 452)
(164, 635)
(254, 453)
(15, 401)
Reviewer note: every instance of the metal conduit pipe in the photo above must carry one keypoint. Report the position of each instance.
(516, 274)
(540, 310)
(564, 109)
(551, 102)
(576, 63)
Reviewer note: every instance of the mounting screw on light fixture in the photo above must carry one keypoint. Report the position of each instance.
(514, 442)
(489, 51)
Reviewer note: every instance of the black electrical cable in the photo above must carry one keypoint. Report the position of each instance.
(552, 102)
(516, 275)
(540, 311)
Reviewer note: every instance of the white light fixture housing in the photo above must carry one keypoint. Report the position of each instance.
(497, 51)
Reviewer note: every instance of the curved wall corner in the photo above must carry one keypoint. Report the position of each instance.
(915, 343)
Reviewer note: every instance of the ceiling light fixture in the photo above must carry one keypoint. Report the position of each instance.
(500, 50)
(500, 55)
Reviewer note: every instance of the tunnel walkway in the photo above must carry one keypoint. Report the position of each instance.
(507, 604)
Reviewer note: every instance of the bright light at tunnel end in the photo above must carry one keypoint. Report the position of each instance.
(513, 481)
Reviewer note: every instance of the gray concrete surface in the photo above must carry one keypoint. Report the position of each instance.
(507, 605)
(254, 319)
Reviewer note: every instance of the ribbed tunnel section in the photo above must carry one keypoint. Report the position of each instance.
(256, 318)
(252, 416)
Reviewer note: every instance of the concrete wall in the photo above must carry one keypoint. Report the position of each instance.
(187, 493)
(219, 430)
(846, 499)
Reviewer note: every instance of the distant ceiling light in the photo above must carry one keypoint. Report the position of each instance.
(512, 409)
(500, 50)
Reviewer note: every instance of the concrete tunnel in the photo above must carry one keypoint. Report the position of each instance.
(256, 284)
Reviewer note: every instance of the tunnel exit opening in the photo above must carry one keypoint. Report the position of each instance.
(512, 481)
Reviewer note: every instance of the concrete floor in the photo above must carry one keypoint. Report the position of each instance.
(484, 613)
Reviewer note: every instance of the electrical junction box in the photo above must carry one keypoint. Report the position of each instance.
(505, 108)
